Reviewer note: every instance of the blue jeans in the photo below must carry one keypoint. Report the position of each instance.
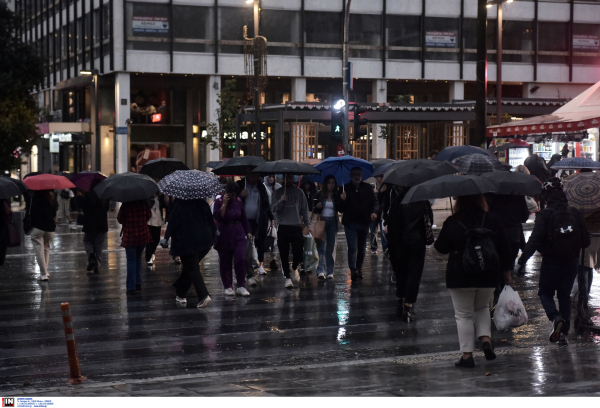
(356, 237)
(326, 247)
(134, 266)
(558, 276)
(377, 223)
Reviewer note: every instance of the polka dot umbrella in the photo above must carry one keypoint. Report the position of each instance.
(190, 185)
(583, 192)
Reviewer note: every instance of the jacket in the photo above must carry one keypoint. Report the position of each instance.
(191, 227)
(42, 213)
(452, 241)
(321, 197)
(134, 216)
(95, 211)
(512, 211)
(407, 221)
(264, 211)
(360, 203)
(294, 211)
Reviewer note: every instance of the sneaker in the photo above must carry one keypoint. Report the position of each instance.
(180, 300)
(468, 363)
(373, 252)
(252, 282)
(288, 283)
(151, 261)
(330, 276)
(242, 291)
(321, 276)
(563, 341)
(488, 350)
(557, 324)
(229, 292)
(44, 277)
(296, 276)
(205, 302)
(408, 315)
(261, 271)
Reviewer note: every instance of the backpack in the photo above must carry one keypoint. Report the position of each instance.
(564, 233)
(64, 194)
(480, 255)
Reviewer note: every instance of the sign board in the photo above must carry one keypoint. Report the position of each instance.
(156, 117)
(440, 39)
(54, 145)
(121, 130)
(586, 42)
(340, 150)
(141, 24)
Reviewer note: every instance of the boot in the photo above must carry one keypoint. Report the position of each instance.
(91, 262)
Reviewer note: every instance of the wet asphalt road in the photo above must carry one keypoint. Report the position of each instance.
(320, 338)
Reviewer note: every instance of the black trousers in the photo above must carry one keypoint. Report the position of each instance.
(408, 265)
(190, 275)
(151, 247)
(260, 236)
(290, 235)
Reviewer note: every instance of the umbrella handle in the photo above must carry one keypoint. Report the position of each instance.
(451, 208)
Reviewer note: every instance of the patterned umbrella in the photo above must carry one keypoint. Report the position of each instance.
(477, 164)
(583, 191)
(190, 185)
(454, 152)
(576, 163)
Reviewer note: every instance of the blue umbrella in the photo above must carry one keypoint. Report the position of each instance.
(453, 152)
(340, 167)
(576, 163)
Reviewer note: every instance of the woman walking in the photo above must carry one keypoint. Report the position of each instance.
(154, 225)
(42, 210)
(233, 228)
(95, 227)
(134, 216)
(471, 293)
(325, 200)
(272, 185)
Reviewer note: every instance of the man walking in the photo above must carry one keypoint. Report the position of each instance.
(291, 208)
(559, 235)
(358, 204)
(379, 191)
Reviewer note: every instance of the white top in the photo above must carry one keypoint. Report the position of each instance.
(328, 209)
(156, 218)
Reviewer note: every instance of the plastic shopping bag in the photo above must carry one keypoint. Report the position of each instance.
(251, 256)
(270, 240)
(509, 311)
(311, 254)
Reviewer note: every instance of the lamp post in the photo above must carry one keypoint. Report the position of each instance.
(498, 3)
(256, 95)
(95, 119)
(345, 76)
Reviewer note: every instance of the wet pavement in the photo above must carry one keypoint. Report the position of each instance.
(330, 337)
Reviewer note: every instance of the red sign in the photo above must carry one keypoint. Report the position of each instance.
(340, 150)
(156, 117)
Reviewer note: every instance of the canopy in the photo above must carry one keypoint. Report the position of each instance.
(581, 113)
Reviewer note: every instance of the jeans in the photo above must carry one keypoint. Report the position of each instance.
(471, 309)
(94, 243)
(151, 247)
(408, 267)
(558, 276)
(41, 245)
(134, 266)
(374, 225)
(190, 275)
(585, 277)
(327, 247)
(356, 237)
(290, 235)
(260, 235)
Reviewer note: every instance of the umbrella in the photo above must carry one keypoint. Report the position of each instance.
(583, 192)
(22, 187)
(502, 147)
(35, 173)
(214, 164)
(240, 165)
(66, 174)
(8, 189)
(285, 166)
(510, 182)
(454, 152)
(537, 166)
(379, 171)
(477, 164)
(340, 167)
(126, 187)
(190, 185)
(449, 186)
(412, 172)
(85, 179)
(377, 163)
(576, 163)
(159, 168)
(48, 182)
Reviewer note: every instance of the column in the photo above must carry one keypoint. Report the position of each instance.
(189, 129)
(213, 88)
(457, 91)
(298, 89)
(122, 110)
(378, 95)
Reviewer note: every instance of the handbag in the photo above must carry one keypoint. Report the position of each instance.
(317, 227)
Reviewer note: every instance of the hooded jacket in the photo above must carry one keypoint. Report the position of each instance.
(264, 206)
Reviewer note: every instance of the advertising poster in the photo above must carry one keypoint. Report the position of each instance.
(150, 24)
(440, 39)
(586, 42)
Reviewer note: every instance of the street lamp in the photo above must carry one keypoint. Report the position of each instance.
(489, 4)
(257, 130)
(95, 109)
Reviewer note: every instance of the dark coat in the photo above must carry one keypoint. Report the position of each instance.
(264, 212)
(452, 241)
(512, 211)
(43, 213)
(359, 204)
(95, 211)
(191, 227)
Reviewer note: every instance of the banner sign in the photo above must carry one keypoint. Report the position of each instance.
(440, 39)
(150, 24)
(586, 42)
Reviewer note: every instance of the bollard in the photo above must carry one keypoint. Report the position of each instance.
(76, 377)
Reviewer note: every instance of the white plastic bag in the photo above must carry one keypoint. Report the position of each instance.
(509, 311)
(311, 253)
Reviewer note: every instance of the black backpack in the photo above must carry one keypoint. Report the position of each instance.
(564, 233)
(480, 255)
(64, 194)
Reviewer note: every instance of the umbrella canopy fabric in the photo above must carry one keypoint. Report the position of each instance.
(48, 182)
(8, 189)
(576, 163)
(449, 186)
(22, 187)
(35, 173)
(454, 152)
(190, 185)
(340, 167)
(285, 166)
(380, 171)
(214, 164)
(477, 164)
(159, 168)
(502, 147)
(126, 187)
(239, 165)
(510, 182)
(85, 179)
(412, 172)
(583, 191)
(377, 163)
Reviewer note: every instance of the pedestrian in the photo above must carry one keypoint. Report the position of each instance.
(95, 227)
(559, 235)
(193, 229)
(134, 216)
(310, 191)
(359, 206)
(154, 225)
(233, 229)
(553, 160)
(64, 205)
(585, 275)
(258, 211)
(290, 208)
(271, 185)
(5, 220)
(168, 204)
(379, 189)
(42, 210)
(325, 206)
(471, 293)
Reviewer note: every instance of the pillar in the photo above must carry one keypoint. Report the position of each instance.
(122, 111)
(298, 89)
(213, 88)
(189, 129)
(457, 91)
(378, 95)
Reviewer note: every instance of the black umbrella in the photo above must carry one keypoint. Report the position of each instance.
(511, 182)
(377, 163)
(126, 187)
(239, 165)
(412, 172)
(8, 189)
(159, 168)
(22, 187)
(453, 152)
(477, 164)
(214, 164)
(503, 147)
(285, 166)
(449, 186)
(379, 171)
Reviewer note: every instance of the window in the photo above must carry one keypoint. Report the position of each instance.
(553, 36)
(518, 36)
(403, 31)
(323, 28)
(280, 26)
(148, 26)
(232, 21)
(586, 39)
(470, 39)
(365, 31)
(193, 23)
(441, 33)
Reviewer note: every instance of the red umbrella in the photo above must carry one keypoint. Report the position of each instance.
(48, 182)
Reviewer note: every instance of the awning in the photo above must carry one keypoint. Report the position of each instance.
(581, 113)
(63, 127)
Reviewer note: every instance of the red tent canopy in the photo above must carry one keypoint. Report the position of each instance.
(581, 113)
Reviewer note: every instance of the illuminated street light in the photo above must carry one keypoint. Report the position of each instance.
(339, 104)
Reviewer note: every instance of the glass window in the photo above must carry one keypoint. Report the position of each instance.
(148, 26)
(441, 33)
(281, 26)
(404, 31)
(232, 21)
(586, 38)
(553, 36)
(146, 102)
(106, 27)
(323, 28)
(470, 38)
(365, 29)
(518, 36)
(193, 23)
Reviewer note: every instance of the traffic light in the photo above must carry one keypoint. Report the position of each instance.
(337, 121)
(359, 122)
